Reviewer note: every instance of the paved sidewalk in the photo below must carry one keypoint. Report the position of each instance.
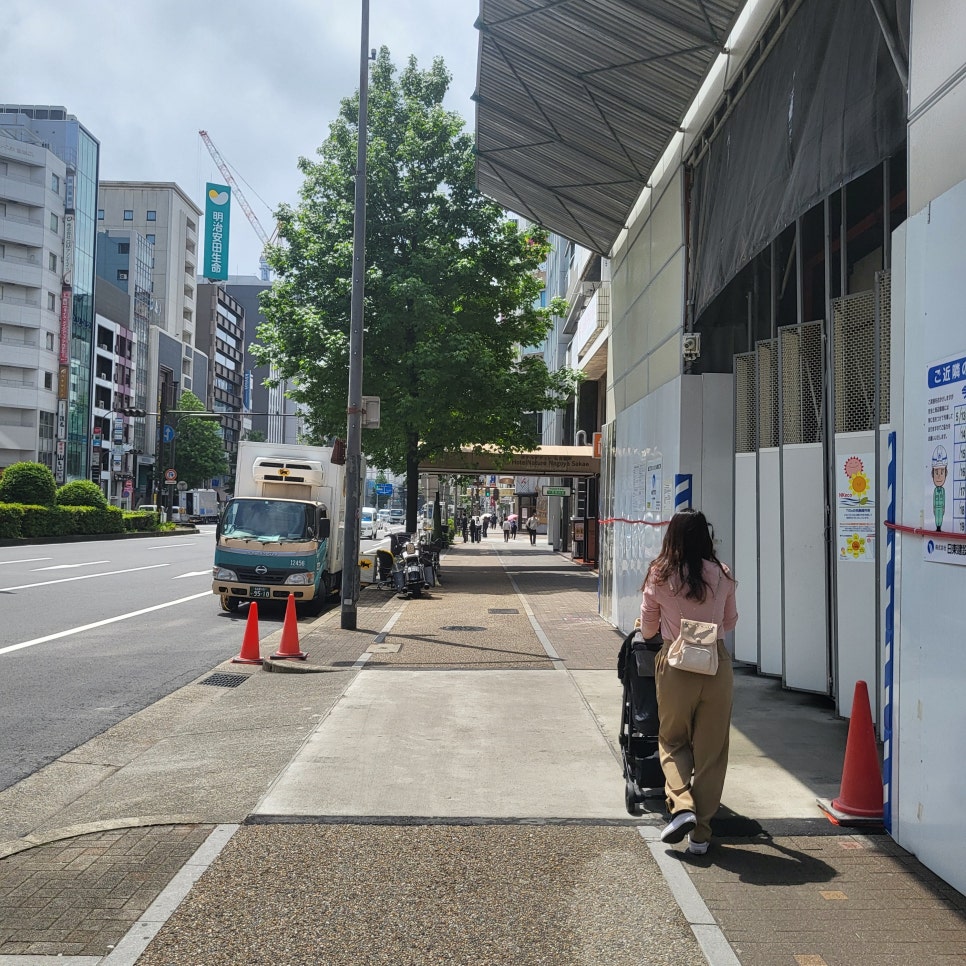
(443, 786)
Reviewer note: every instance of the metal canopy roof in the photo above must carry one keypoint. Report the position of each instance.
(577, 100)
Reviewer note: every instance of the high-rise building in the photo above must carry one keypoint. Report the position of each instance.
(221, 330)
(124, 259)
(274, 415)
(48, 198)
(164, 214)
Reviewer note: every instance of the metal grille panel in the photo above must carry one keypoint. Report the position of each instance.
(767, 393)
(855, 363)
(802, 384)
(883, 290)
(746, 409)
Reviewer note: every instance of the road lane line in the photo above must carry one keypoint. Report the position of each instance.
(64, 580)
(194, 573)
(166, 546)
(103, 623)
(89, 563)
(4, 563)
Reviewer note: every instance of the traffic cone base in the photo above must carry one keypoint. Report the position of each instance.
(288, 648)
(250, 652)
(861, 799)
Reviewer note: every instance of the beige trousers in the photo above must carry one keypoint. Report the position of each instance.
(695, 721)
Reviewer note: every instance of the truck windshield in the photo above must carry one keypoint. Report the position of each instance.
(268, 521)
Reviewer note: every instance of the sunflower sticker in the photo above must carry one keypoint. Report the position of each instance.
(855, 510)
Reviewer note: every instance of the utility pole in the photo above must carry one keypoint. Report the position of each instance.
(350, 564)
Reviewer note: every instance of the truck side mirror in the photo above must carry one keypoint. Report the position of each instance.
(324, 528)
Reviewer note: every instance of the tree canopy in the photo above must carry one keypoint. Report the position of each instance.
(199, 449)
(451, 288)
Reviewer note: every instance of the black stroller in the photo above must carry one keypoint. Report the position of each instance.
(643, 777)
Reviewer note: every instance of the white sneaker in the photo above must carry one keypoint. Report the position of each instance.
(697, 848)
(678, 827)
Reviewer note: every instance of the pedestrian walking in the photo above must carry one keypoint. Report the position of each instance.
(466, 528)
(513, 528)
(506, 531)
(687, 580)
(531, 526)
(474, 529)
(485, 523)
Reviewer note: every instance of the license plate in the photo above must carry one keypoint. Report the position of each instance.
(261, 592)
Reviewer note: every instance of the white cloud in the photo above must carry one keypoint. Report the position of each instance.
(264, 79)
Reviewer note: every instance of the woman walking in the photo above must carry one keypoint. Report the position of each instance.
(694, 710)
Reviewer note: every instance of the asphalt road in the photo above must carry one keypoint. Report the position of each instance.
(93, 632)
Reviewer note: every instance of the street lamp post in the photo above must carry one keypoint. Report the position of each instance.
(350, 566)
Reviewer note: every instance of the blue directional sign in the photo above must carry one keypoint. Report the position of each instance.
(384, 489)
(168, 433)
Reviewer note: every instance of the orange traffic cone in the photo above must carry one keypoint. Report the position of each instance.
(860, 800)
(250, 652)
(289, 646)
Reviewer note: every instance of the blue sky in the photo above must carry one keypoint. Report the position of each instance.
(264, 79)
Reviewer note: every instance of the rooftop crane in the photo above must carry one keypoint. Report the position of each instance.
(242, 200)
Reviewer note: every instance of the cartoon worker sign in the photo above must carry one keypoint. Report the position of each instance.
(944, 513)
(940, 470)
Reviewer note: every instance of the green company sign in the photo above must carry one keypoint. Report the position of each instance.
(217, 216)
(556, 490)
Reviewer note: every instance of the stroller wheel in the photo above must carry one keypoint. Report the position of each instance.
(632, 798)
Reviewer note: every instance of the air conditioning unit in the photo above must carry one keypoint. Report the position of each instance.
(293, 479)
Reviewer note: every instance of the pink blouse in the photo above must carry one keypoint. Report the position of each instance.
(662, 607)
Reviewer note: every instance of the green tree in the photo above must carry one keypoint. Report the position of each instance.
(81, 493)
(451, 286)
(199, 452)
(30, 483)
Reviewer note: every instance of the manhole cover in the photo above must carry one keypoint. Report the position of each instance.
(463, 627)
(504, 610)
(225, 680)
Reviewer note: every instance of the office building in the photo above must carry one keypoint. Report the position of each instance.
(48, 196)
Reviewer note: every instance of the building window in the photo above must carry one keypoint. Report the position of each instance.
(54, 222)
(50, 341)
(100, 214)
(152, 215)
(52, 262)
(54, 183)
(48, 380)
(46, 428)
(150, 238)
(124, 248)
(51, 302)
(128, 214)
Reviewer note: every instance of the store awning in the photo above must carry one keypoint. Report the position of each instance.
(577, 99)
(543, 461)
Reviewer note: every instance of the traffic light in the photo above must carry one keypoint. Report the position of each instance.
(487, 491)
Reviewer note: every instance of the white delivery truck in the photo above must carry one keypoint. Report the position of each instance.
(282, 533)
(200, 506)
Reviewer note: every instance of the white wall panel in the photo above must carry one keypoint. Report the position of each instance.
(746, 556)
(804, 569)
(855, 580)
(770, 563)
(931, 658)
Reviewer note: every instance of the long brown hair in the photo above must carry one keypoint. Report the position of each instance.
(687, 544)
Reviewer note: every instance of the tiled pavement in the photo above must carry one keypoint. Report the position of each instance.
(79, 896)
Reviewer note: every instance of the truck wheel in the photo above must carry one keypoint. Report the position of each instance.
(229, 603)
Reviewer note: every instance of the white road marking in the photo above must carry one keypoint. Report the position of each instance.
(194, 573)
(166, 546)
(64, 580)
(3, 563)
(90, 563)
(103, 623)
